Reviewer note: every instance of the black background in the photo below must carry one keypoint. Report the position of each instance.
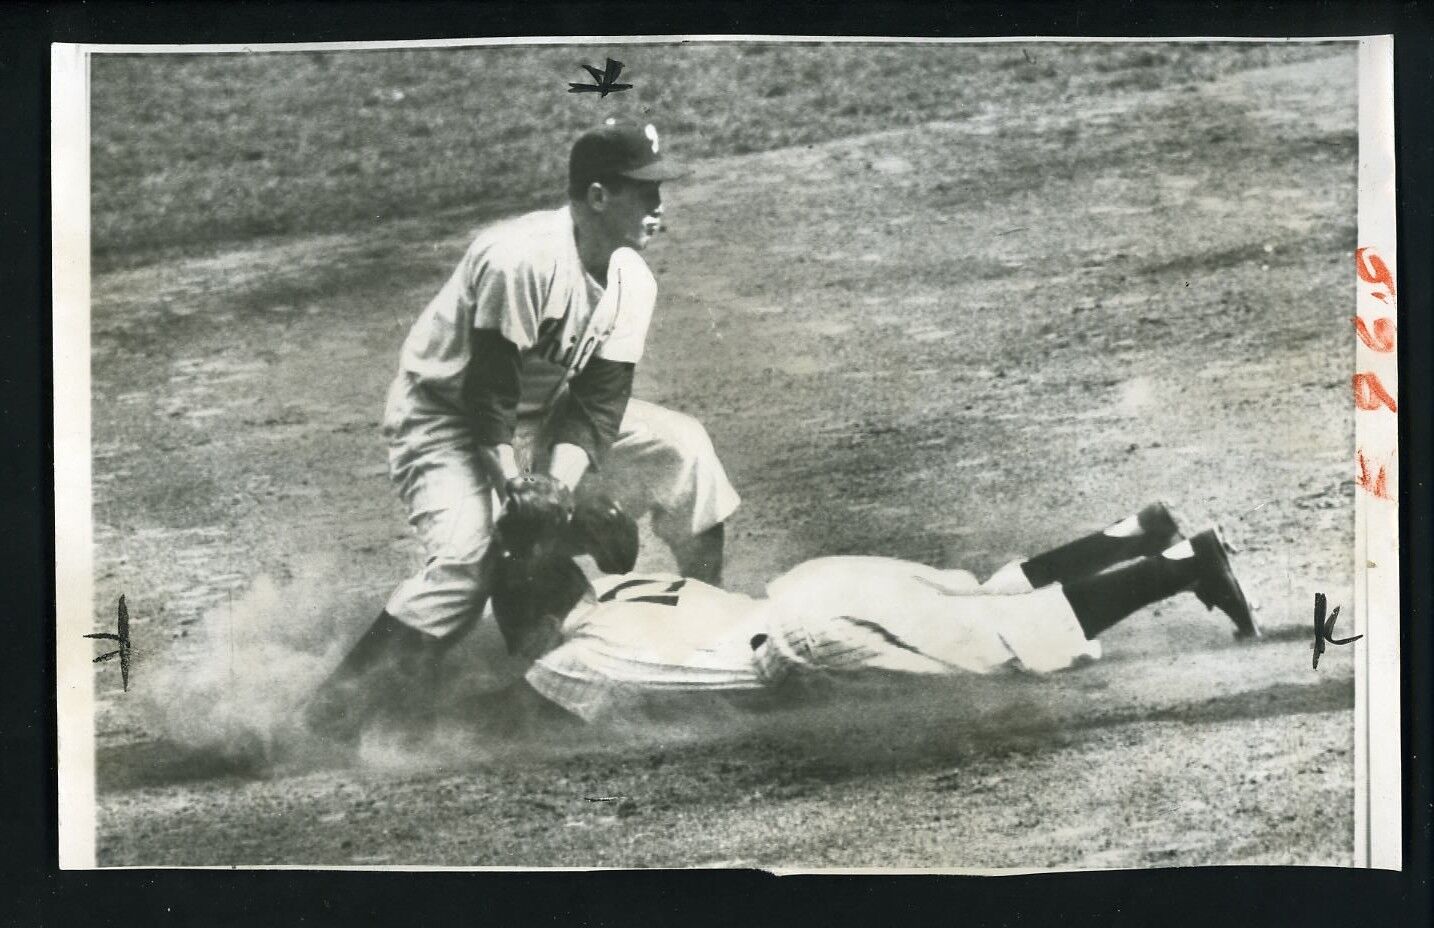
(34, 892)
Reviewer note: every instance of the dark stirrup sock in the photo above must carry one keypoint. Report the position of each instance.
(1102, 600)
(1149, 531)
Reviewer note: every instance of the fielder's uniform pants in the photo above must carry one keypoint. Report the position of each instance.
(662, 464)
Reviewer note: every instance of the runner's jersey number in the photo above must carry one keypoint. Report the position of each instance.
(645, 591)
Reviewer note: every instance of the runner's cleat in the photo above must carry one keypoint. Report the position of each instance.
(1217, 587)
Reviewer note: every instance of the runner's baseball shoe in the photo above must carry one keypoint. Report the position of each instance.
(1158, 526)
(1216, 585)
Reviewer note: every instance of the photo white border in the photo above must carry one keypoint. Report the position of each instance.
(1378, 749)
(74, 524)
(1379, 784)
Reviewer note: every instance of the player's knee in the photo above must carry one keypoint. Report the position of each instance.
(446, 596)
(688, 439)
(460, 583)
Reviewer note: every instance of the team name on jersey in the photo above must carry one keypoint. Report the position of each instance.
(556, 346)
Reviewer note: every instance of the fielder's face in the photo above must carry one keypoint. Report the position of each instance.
(632, 214)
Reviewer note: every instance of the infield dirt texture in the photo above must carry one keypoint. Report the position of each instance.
(951, 304)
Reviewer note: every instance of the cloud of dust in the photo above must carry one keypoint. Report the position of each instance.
(237, 690)
(237, 686)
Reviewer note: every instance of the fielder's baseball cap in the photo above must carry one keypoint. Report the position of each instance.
(620, 150)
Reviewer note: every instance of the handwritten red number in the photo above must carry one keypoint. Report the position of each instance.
(1369, 393)
(1374, 272)
(1382, 338)
(1377, 483)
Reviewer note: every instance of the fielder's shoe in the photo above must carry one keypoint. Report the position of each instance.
(1159, 528)
(391, 671)
(1216, 585)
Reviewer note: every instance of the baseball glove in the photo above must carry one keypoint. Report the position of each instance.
(535, 517)
(601, 528)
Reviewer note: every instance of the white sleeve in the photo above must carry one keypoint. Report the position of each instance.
(506, 294)
(630, 285)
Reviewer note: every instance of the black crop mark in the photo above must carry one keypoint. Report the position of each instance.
(121, 636)
(604, 81)
(1324, 629)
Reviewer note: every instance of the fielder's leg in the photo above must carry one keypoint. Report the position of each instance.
(394, 664)
(393, 670)
(701, 556)
(663, 463)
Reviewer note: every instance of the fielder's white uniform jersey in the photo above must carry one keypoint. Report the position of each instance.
(524, 279)
(655, 634)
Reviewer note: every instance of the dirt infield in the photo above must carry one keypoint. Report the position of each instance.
(955, 342)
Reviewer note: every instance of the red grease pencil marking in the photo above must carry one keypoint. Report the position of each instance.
(1382, 337)
(1369, 393)
(1376, 482)
(1373, 270)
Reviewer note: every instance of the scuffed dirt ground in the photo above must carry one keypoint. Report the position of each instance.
(952, 343)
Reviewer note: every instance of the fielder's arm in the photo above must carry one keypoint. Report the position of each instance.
(568, 464)
(587, 421)
(490, 396)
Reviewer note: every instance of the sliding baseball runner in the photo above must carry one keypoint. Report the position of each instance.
(601, 651)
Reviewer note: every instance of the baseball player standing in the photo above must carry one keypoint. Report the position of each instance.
(526, 356)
